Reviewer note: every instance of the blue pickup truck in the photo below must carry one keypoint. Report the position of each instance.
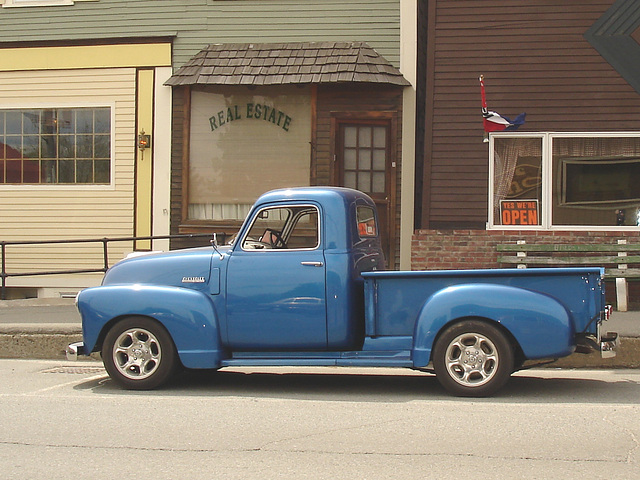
(303, 283)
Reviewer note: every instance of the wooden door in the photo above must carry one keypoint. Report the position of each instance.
(363, 157)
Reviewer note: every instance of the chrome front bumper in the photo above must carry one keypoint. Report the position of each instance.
(73, 350)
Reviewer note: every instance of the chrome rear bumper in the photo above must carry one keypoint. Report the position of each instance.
(609, 343)
(606, 343)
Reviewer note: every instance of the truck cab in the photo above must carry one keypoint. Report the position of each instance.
(293, 275)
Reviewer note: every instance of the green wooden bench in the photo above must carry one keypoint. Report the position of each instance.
(620, 260)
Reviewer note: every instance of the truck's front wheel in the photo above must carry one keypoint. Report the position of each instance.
(473, 359)
(138, 353)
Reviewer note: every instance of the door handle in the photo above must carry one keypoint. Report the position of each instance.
(312, 264)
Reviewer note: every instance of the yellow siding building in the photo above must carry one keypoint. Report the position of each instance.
(71, 168)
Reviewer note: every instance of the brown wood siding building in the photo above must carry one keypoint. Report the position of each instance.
(573, 68)
(535, 59)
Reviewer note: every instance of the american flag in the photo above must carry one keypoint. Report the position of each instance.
(494, 122)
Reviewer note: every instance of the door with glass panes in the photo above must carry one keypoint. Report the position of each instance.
(363, 156)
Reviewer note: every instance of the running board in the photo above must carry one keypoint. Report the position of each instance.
(320, 359)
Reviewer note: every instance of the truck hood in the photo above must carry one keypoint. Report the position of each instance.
(189, 268)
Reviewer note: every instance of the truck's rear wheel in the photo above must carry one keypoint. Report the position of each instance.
(138, 353)
(473, 359)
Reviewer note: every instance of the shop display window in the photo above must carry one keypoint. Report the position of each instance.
(243, 143)
(565, 180)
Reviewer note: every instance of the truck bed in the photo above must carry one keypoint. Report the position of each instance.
(393, 300)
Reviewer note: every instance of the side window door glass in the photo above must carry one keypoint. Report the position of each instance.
(284, 228)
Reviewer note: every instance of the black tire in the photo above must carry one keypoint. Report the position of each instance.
(473, 359)
(138, 354)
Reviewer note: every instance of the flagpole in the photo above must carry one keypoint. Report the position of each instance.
(485, 135)
(482, 92)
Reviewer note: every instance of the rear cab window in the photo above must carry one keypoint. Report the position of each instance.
(366, 218)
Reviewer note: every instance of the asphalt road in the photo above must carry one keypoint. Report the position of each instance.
(62, 420)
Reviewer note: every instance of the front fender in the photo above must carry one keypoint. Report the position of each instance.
(188, 315)
(540, 324)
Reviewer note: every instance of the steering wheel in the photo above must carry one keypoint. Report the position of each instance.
(279, 241)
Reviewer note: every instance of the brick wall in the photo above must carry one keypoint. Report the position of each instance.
(470, 249)
(459, 249)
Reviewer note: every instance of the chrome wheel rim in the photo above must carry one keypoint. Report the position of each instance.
(137, 353)
(472, 359)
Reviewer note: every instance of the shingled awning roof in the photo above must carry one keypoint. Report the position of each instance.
(287, 63)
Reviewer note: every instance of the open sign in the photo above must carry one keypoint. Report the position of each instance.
(520, 212)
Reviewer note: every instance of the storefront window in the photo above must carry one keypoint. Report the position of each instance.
(565, 180)
(243, 143)
(597, 181)
(517, 184)
(55, 146)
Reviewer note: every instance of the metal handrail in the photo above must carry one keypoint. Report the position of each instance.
(105, 254)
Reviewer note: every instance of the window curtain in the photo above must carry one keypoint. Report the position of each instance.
(507, 151)
(612, 147)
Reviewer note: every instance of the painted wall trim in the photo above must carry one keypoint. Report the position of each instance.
(144, 158)
(162, 158)
(612, 35)
(89, 56)
(408, 67)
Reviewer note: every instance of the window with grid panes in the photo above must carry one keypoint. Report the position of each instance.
(365, 151)
(55, 146)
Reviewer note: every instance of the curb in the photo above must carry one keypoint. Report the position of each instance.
(49, 342)
(37, 344)
(627, 356)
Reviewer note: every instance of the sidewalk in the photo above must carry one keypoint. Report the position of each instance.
(38, 328)
(42, 328)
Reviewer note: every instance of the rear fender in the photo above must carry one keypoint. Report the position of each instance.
(540, 324)
(188, 315)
